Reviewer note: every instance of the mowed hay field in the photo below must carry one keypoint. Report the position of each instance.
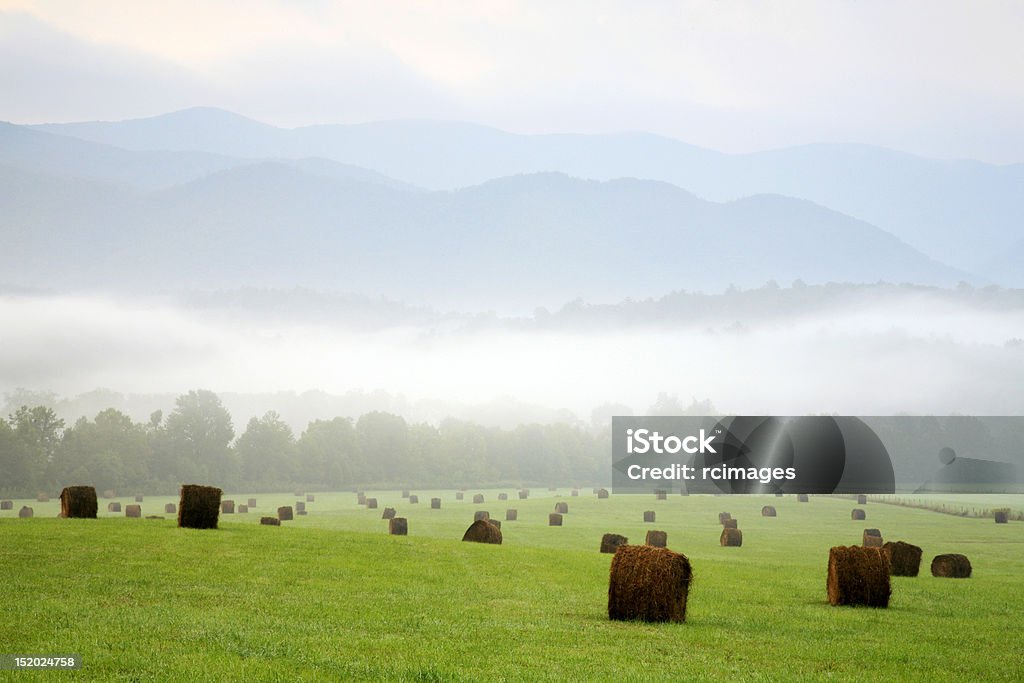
(331, 596)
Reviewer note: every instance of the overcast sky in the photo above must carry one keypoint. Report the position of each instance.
(936, 77)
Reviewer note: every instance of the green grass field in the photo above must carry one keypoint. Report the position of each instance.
(331, 596)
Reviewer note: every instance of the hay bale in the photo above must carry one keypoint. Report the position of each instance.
(495, 522)
(252, 503)
(730, 524)
(170, 508)
(301, 512)
(361, 499)
(862, 499)
(904, 558)
(648, 515)
(951, 566)
(481, 514)
(242, 509)
(511, 515)
(285, 513)
(227, 507)
(502, 496)
(802, 498)
(270, 521)
(371, 503)
(524, 494)
(482, 531)
(722, 516)
(6, 504)
(858, 514)
(768, 511)
(872, 538)
(414, 499)
(109, 493)
(661, 494)
(575, 493)
(405, 493)
(435, 503)
(299, 494)
(478, 498)
(389, 513)
(26, 512)
(138, 499)
(609, 542)
(199, 507)
(1001, 516)
(78, 502)
(398, 526)
(731, 537)
(602, 493)
(310, 498)
(648, 584)
(113, 507)
(133, 511)
(300, 506)
(562, 508)
(459, 495)
(858, 576)
(42, 498)
(658, 539)
(554, 519)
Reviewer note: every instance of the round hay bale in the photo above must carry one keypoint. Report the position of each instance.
(310, 498)
(299, 494)
(227, 507)
(435, 503)
(730, 524)
(398, 526)
(951, 566)
(26, 512)
(285, 513)
(113, 507)
(78, 502)
(481, 514)
(661, 494)
(371, 503)
(242, 509)
(301, 512)
(872, 538)
(602, 493)
(562, 508)
(904, 558)
(109, 493)
(554, 519)
(802, 498)
(199, 507)
(575, 493)
(252, 503)
(361, 499)
(511, 515)
(862, 499)
(478, 498)
(300, 506)
(482, 531)
(495, 522)
(649, 515)
(858, 514)
(768, 511)
(133, 511)
(414, 499)
(405, 493)
(42, 498)
(731, 537)
(610, 542)
(502, 496)
(170, 508)
(722, 516)
(6, 504)
(1001, 516)
(138, 499)
(389, 513)
(658, 539)
(524, 494)
(648, 584)
(459, 495)
(858, 576)
(270, 521)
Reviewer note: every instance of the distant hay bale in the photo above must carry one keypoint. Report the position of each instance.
(648, 584)
(270, 521)
(414, 499)
(575, 493)
(26, 512)
(435, 503)
(858, 576)
(310, 498)
(42, 498)
(361, 499)
(523, 495)
(285, 513)
(6, 504)
(459, 495)
(478, 498)
(609, 542)
(768, 511)
(405, 493)
(301, 512)
(862, 499)
(389, 513)
(502, 496)
(398, 526)
(300, 506)
(661, 494)
(802, 498)
(199, 507)
(1002, 516)
(170, 508)
(138, 499)
(242, 509)
(731, 524)
(562, 508)
(481, 514)
(648, 515)
(133, 511)
(78, 502)
(872, 538)
(602, 493)
(511, 515)
(658, 539)
(109, 493)
(113, 507)
(495, 522)
(951, 566)
(227, 507)
(299, 494)
(858, 514)
(371, 503)
(904, 558)
(482, 531)
(731, 537)
(722, 516)
(554, 519)
(252, 503)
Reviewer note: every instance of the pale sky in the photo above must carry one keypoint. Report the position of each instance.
(935, 77)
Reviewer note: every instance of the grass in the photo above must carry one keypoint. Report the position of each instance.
(330, 596)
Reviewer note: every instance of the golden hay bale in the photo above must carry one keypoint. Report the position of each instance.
(113, 507)
(414, 499)
(133, 511)
(1002, 516)
(242, 509)
(658, 539)
(511, 515)
(602, 493)
(858, 514)
(435, 503)
(371, 503)
(251, 502)
(495, 522)
(872, 538)
(661, 494)
(524, 494)
(802, 498)
(904, 558)
(648, 584)
(554, 519)
(300, 506)
(285, 513)
(227, 507)
(952, 566)
(389, 513)
(722, 516)
(398, 526)
(482, 531)
(858, 576)
(6, 504)
(78, 502)
(731, 537)
(478, 498)
(170, 508)
(481, 514)
(768, 511)
(26, 512)
(199, 507)
(648, 515)
(862, 499)
(502, 496)
(138, 499)
(609, 542)
(562, 508)
(459, 495)
(730, 524)
(270, 521)
(310, 498)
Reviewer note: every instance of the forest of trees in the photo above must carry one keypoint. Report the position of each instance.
(196, 443)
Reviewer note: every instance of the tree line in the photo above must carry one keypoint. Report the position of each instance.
(196, 443)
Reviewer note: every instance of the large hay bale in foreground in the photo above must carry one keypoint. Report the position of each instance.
(371, 503)
(554, 519)
(251, 502)
(113, 507)
(722, 516)
(270, 521)
(227, 507)
(478, 498)
(285, 513)
(648, 584)
(170, 508)
(904, 558)
(562, 508)
(951, 566)
(858, 514)
(862, 499)
(78, 502)
(133, 511)
(26, 512)
(398, 526)
(435, 503)
(389, 513)
(199, 507)
(1001, 516)
(482, 531)
(610, 542)
(858, 576)
(802, 498)
(511, 515)
(768, 511)
(602, 493)
(649, 515)
(731, 537)
(6, 504)
(658, 539)
(481, 514)
(872, 538)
